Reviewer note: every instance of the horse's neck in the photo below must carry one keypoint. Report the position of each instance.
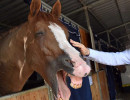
(12, 61)
(13, 44)
(17, 33)
(10, 80)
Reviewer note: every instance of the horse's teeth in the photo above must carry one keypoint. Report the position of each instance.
(71, 84)
(75, 86)
(60, 99)
(80, 85)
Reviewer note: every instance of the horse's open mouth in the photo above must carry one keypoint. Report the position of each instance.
(63, 91)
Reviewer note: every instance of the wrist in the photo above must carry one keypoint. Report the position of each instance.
(87, 53)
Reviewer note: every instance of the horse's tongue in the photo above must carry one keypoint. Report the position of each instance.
(63, 89)
(76, 82)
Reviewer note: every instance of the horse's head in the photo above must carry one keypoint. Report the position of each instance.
(51, 54)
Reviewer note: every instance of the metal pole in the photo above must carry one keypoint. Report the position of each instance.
(114, 28)
(5, 25)
(89, 27)
(93, 46)
(108, 36)
(48, 7)
(95, 3)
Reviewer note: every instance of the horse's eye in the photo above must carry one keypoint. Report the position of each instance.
(40, 33)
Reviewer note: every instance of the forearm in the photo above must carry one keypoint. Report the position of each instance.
(113, 59)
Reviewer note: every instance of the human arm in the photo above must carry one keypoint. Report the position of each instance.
(110, 58)
(107, 58)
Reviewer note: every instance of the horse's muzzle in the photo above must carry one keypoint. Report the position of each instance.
(65, 63)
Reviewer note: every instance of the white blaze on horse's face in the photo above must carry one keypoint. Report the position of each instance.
(80, 66)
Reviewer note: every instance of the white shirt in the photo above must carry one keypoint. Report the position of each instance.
(110, 58)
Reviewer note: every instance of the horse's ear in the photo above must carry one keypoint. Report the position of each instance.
(35, 7)
(56, 10)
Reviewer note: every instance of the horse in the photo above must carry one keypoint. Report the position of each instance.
(41, 44)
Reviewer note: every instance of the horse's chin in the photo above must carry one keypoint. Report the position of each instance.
(63, 90)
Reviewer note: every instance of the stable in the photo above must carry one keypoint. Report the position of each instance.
(43, 29)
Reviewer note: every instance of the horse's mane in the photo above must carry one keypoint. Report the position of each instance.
(12, 30)
(4, 34)
(43, 15)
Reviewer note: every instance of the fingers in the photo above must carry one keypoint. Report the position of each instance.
(83, 49)
(76, 44)
(71, 41)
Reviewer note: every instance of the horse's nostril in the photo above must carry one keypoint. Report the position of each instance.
(70, 61)
(85, 74)
(67, 60)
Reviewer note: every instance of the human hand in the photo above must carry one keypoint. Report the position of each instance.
(84, 51)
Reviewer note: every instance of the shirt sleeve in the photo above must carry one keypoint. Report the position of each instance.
(110, 58)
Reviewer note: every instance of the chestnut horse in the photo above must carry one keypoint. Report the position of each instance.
(40, 45)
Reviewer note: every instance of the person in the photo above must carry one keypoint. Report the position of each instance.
(107, 58)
